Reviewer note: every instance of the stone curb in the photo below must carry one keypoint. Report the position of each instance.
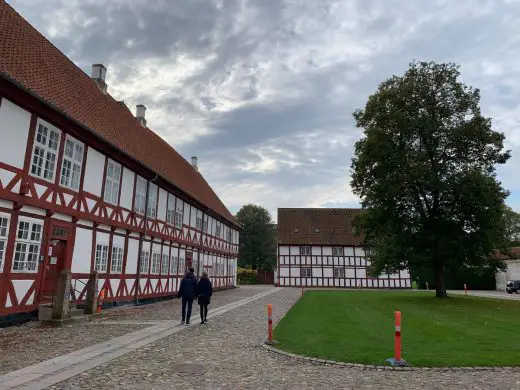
(372, 367)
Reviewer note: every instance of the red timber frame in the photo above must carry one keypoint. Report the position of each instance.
(60, 206)
(345, 261)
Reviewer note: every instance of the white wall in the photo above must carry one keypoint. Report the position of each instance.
(82, 251)
(131, 261)
(14, 128)
(95, 166)
(127, 188)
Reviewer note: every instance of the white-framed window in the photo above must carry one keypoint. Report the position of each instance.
(196, 266)
(179, 213)
(4, 234)
(170, 211)
(305, 250)
(101, 260)
(156, 263)
(164, 265)
(145, 262)
(45, 151)
(339, 272)
(205, 226)
(140, 195)
(72, 163)
(174, 269)
(198, 223)
(337, 251)
(217, 230)
(112, 182)
(117, 260)
(306, 273)
(27, 247)
(152, 200)
(229, 235)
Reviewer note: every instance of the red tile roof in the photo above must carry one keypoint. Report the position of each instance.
(317, 227)
(513, 255)
(31, 60)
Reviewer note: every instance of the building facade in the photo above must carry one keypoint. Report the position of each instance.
(318, 248)
(85, 185)
(512, 271)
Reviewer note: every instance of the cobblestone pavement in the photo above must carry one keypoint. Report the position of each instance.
(229, 352)
(33, 342)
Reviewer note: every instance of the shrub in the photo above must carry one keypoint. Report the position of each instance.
(246, 276)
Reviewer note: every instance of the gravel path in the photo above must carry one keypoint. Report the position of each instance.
(229, 355)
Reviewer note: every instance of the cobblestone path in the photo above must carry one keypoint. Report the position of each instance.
(228, 354)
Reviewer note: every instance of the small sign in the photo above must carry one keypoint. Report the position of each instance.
(49, 251)
(54, 260)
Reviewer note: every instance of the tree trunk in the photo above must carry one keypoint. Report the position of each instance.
(440, 288)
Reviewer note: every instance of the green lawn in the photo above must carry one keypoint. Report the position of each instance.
(358, 326)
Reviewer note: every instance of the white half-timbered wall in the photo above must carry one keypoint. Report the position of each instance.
(327, 266)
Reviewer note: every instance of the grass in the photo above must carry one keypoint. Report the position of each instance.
(358, 327)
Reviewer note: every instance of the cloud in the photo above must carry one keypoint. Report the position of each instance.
(263, 90)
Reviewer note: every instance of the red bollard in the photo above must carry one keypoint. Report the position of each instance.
(397, 351)
(270, 323)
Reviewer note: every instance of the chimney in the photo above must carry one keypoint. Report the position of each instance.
(140, 114)
(194, 160)
(98, 75)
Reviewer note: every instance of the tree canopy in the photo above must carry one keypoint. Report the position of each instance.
(257, 239)
(512, 226)
(425, 172)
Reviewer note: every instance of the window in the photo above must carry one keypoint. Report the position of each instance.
(305, 250)
(229, 235)
(152, 200)
(4, 232)
(117, 260)
(196, 266)
(217, 230)
(145, 262)
(170, 212)
(101, 261)
(45, 150)
(174, 269)
(296, 230)
(198, 223)
(140, 195)
(316, 230)
(205, 226)
(339, 272)
(164, 265)
(337, 251)
(179, 211)
(306, 272)
(27, 249)
(72, 162)
(156, 262)
(112, 182)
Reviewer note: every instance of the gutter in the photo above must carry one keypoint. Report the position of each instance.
(84, 127)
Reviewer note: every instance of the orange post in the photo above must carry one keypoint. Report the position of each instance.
(465, 289)
(100, 300)
(270, 323)
(397, 336)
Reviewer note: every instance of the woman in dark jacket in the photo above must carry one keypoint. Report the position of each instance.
(204, 292)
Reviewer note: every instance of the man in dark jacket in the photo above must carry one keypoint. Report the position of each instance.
(204, 292)
(188, 292)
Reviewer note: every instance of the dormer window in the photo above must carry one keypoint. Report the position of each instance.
(296, 230)
(316, 230)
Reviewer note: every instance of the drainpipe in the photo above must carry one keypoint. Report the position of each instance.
(141, 238)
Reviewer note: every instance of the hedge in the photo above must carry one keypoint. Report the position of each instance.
(246, 276)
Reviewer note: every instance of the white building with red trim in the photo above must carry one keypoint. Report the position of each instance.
(85, 185)
(318, 248)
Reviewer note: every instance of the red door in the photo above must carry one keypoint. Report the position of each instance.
(54, 267)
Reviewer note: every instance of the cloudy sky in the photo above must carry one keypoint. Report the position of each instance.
(263, 91)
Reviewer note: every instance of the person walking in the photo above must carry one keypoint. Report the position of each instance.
(188, 292)
(204, 292)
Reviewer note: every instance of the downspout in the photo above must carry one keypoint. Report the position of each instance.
(141, 238)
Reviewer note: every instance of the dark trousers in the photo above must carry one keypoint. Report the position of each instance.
(203, 312)
(186, 314)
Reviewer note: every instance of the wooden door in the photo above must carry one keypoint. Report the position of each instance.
(54, 267)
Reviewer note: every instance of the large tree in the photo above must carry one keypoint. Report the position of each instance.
(512, 224)
(425, 172)
(257, 238)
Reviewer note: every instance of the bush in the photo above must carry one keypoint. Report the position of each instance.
(246, 276)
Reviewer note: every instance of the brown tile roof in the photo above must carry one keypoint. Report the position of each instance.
(513, 255)
(32, 61)
(317, 227)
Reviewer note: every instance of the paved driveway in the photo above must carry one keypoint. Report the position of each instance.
(488, 294)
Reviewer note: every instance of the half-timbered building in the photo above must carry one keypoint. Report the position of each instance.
(85, 185)
(318, 248)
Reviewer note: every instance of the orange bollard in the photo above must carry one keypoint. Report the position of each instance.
(465, 289)
(100, 300)
(270, 323)
(397, 351)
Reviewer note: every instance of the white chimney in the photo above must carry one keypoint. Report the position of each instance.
(194, 161)
(99, 73)
(140, 114)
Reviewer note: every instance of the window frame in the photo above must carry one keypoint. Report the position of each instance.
(174, 265)
(309, 275)
(119, 269)
(140, 197)
(145, 260)
(170, 210)
(28, 242)
(103, 246)
(4, 238)
(152, 201)
(46, 148)
(73, 163)
(110, 182)
(155, 267)
(338, 269)
(198, 223)
(304, 251)
(164, 271)
(341, 251)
